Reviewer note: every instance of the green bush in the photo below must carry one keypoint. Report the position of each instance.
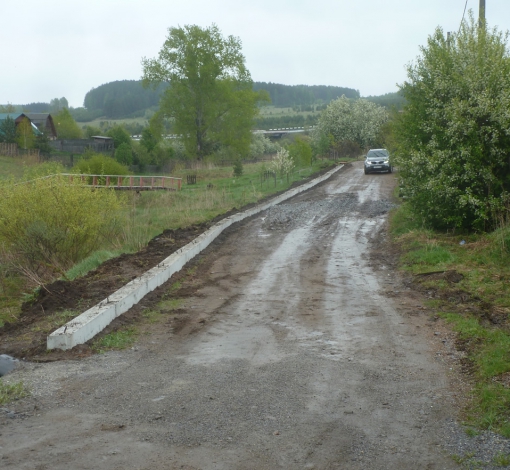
(49, 224)
(454, 134)
(238, 167)
(99, 164)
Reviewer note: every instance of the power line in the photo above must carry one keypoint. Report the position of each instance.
(463, 15)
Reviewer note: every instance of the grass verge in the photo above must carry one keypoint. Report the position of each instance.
(475, 302)
(12, 392)
(121, 339)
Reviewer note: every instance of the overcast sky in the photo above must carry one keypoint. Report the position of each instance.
(56, 48)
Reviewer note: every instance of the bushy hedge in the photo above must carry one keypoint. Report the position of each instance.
(454, 134)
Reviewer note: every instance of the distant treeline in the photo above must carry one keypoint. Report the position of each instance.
(289, 96)
(277, 122)
(389, 100)
(127, 98)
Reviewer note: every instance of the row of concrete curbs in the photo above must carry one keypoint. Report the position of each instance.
(93, 321)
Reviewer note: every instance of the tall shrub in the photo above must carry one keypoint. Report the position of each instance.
(48, 224)
(454, 135)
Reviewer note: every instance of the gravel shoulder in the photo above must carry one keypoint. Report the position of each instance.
(295, 345)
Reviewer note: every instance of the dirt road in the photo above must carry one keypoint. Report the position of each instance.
(289, 352)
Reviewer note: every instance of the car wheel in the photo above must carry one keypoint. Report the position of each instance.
(366, 172)
(390, 170)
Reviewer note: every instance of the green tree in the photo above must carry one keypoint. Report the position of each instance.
(454, 135)
(354, 120)
(301, 152)
(124, 154)
(210, 95)
(119, 135)
(42, 142)
(66, 126)
(8, 130)
(148, 139)
(7, 109)
(25, 136)
(90, 131)
(58, 104)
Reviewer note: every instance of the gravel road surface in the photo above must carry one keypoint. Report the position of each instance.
(290, 352)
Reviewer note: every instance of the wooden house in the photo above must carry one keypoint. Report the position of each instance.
(43, 122)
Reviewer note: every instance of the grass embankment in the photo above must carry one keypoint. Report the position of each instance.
(149, 213)
(476, 305)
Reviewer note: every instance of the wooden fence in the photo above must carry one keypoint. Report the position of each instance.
(12, 150)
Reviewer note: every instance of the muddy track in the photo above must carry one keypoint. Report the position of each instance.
(295, 346)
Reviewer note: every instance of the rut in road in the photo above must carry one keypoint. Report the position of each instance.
(294, 358)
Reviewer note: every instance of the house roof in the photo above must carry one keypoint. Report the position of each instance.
(43, 121)
(4, 116)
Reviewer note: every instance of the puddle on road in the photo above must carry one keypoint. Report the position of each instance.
(278, 280)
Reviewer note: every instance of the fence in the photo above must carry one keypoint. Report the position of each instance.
(80, 145)
(12, 150)
(131, 182)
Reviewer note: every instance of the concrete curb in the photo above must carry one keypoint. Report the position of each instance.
(94, 320)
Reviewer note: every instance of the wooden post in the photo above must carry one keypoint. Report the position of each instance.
(481, 14)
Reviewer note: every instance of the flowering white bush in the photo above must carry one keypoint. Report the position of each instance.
(350, 120)
(282, 163)
(454, 135)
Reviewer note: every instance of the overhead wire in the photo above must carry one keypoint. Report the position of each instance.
(463, 15)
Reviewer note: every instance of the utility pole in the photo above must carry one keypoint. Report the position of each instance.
(481, 14)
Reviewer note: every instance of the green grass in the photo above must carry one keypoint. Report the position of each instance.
(502, 460)
(14, 167)
(484, 262)
(121, 339)
(91, 262)
(11, 392)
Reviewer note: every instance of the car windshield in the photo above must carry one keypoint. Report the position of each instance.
(377, 155)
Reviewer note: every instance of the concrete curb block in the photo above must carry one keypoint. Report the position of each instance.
(94, 320)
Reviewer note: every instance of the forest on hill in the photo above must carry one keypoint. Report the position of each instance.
(129, 99)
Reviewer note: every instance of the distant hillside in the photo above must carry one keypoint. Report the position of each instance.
(121, 99)
(389, 100)
(127, 98)
(289, 96)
